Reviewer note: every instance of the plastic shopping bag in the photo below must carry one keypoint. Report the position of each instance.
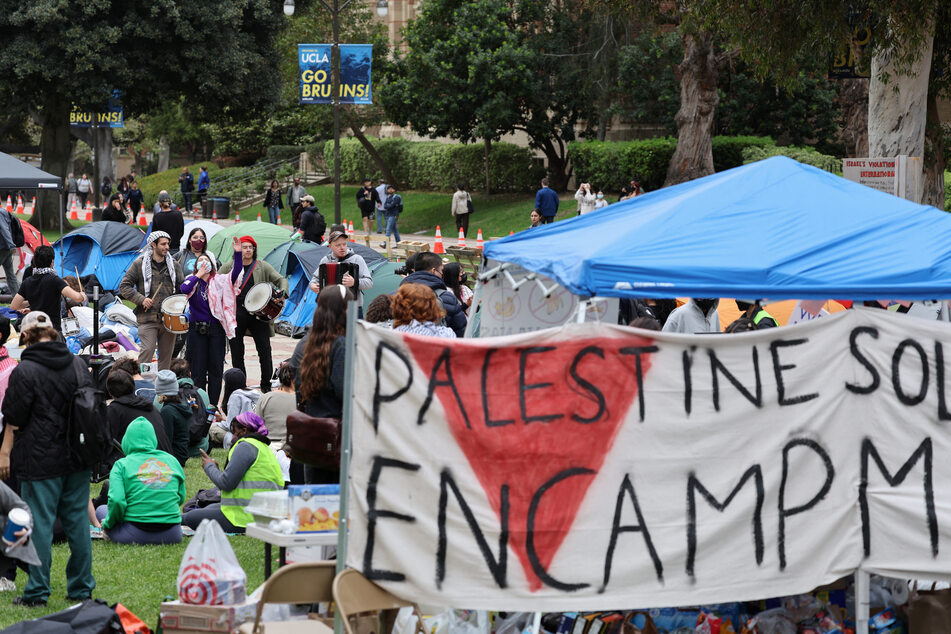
(210, 573)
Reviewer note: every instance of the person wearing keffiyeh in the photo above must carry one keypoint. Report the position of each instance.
(150, 280)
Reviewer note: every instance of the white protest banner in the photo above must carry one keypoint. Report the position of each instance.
(597, 467)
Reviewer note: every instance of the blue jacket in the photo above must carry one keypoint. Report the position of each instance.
(203, 181)
(393, 206)
(546, 201)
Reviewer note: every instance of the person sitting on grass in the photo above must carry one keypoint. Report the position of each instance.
(143, 387)
(146, 491)
(195, 398)
(176, 415)
(252, 467)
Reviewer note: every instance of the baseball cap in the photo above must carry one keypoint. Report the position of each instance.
(308, 198)
(35, 319)
(334, 235)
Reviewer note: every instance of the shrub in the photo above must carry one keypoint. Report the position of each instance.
(805, 155)
(430, 165)
(283, 152)
(611, 164)
(168, 180)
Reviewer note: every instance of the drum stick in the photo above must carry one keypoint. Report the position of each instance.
(161, 284)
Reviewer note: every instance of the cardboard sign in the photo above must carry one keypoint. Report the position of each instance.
(595, 467)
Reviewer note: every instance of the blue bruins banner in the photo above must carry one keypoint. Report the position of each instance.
(111, 118)
(315, 80)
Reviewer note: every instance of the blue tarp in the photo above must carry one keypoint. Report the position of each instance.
(105, 249)
(774, 229)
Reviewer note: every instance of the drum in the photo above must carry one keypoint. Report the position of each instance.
(173, 314)
(265, 301)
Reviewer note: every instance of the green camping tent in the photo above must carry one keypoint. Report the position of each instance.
(267, 236)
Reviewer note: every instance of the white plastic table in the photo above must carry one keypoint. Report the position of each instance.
(283, 542)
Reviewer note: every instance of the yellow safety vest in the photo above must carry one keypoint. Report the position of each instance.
(264, 475)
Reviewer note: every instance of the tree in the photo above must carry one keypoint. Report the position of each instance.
(480, 69)
(218, 53)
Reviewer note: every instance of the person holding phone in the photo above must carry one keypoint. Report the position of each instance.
(212, 304)
(587, 200)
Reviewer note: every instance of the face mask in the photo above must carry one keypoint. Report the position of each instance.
(705, 304)
(198, 244)
(600, 195)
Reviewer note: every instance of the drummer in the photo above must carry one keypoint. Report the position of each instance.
(148, 282)
(254, 271)
(340, 251)
(212, 320)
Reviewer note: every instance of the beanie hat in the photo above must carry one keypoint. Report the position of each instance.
(166, 383)
(248, 239)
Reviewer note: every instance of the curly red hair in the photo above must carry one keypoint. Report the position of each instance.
(416, 301)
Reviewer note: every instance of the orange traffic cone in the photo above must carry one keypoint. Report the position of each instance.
(479, 239)
(214, 215)
(462, 238)
(9, 204)
(74, 212)
(88, 214)
(33, 208)
(438, 248)
(350, 231)
(279, 223)
(19, 204)
(142, 221)
(259, 216)
(511, 233)
(237, 216)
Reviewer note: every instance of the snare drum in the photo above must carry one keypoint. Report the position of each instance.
(265, 301)
(173, 314)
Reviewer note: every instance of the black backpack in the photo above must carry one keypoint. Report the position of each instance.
(16, 231)
(87, 431)
(198, 426)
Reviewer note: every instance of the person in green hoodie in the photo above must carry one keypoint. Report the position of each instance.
(146, 491)
(176, 415)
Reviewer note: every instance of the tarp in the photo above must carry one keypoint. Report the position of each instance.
(297, 261)
(773, 229)
(32, 238)
(15, 174)
(103, 248)
(267, 236)
(596, 467)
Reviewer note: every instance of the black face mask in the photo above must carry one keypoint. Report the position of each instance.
(705, 304)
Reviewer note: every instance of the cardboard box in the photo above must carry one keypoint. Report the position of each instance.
(315, 508)
(177, 617)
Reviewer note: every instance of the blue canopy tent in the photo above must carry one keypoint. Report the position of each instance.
(773, 229)
(297, 261)
(105, 249)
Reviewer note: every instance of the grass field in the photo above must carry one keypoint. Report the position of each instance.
(139, 577)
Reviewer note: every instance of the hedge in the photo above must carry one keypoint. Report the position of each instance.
(168, 180)
(283, 152)
(611, 164)
(430, 165)
(806, 155)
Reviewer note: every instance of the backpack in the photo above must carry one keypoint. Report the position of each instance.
(198, 425)
(469, 204)
(16, 231)
(87, 432)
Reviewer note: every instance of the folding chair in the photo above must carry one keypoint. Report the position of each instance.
(354, 594)
(305, 582)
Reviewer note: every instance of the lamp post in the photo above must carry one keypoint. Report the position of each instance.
(335, 7)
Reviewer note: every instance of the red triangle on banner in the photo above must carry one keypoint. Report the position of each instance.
(540, 419)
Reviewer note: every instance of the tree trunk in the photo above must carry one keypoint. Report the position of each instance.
(853, 101)
(698, 74)
(559, 171)
(488, 181)
(165, 154)
(897, 110)
(934, 162)
(56, 146)
(100, 140)
(372, 151)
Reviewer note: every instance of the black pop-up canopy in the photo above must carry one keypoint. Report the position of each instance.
(15, 174)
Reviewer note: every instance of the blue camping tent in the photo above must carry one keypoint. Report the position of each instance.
(773, 229)
(297, 261)
(104, 248)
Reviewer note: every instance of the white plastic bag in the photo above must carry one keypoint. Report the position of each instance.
(210, 573)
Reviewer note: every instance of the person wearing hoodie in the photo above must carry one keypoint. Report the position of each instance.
(429, 273)
(176, 415)
(146, 491)
(237, 398)
(340, 251)
(127, 406)
(252, 467)
(53, 482)
(697, 315)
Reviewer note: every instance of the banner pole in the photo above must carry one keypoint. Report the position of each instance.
(345, 435)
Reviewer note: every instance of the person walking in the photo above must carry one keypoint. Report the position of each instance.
(295, 193)
(460, 209)
(546, 202)
(148, 282)
(187, 185)
(381, 194)
(312, 223)
(7, 249)
(273, 203)
(253, 271)
(391, 212)
(53, 482)
(72, 188)
(367, 199)
(106, 188)
(136, 199)
(83, 189)
(204, 184)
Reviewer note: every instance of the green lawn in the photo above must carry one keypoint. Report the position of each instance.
(496, 215)
(139, 577)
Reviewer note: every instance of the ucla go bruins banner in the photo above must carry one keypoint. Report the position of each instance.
(356, 61)
(598, 467)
